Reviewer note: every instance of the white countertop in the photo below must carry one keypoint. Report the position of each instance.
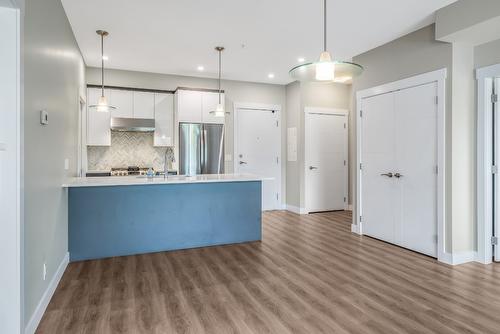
(107, 181)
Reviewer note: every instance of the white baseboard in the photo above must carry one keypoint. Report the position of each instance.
(458, 258)
(355, 228)
(44, 302)
(296, 209)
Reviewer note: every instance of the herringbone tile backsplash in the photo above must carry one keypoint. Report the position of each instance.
(127, 149)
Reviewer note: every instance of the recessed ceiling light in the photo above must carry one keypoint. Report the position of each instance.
(270, 75)
(201, 68)
(301, 60)
(105, 58)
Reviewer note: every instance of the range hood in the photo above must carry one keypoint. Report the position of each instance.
(132, 124)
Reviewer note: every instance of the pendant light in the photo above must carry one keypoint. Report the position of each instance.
(102, 105)
(219, 110)
(326, 69)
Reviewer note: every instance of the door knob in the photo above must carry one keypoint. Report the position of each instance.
(312, 167)
(387, 174)
(243, 163)
(398, 175)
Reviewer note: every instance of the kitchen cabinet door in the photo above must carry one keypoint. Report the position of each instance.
(164, 119)
(144, 105)
(189, 104)
(123, 100)
(98, 123)
(209, 103)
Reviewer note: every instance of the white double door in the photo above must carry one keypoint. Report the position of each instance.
(399, 168)
(257, 151)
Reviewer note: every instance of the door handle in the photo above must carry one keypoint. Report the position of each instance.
(398, 175)
(243, 162)
(387, 174)
(312, 167)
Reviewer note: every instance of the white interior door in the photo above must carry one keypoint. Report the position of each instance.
(496, 178)
(416, 161)
(399, 179)
(378, 162)
(257, 151)
(326, 162)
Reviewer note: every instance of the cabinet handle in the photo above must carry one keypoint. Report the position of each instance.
(243, 163)
(387, 174)
(398, 175)
(312, 167)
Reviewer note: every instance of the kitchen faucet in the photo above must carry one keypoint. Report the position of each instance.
(165, 164)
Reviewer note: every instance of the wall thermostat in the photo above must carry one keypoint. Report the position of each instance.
(44, 117)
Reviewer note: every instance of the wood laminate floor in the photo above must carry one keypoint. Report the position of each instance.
(310, 274)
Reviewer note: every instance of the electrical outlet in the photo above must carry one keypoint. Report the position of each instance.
(66, 164)
(44, 271)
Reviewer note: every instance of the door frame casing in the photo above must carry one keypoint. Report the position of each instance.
(308, 111)
(438, 76)
(264, 107)
(14, 274)
(485, 77)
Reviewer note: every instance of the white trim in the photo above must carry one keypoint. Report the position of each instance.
(296, 209)
(327, 111)
(438, 76)
(334, 112)
(355, 229)
(47, 295)
(267, 107)
(12, 306)
(485, 77)
(82, 139)
(349, 207)
(458, 258)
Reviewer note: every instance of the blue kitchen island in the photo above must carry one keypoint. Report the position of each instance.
(116, 216)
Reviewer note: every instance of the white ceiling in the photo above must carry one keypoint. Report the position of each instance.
(260, 36)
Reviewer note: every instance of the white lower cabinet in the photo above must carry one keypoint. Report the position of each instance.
(164, 119)
(98, 123)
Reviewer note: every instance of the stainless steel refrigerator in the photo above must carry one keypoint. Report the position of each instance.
(201, 148)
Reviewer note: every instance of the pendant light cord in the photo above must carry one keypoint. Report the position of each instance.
(324, 25)
(220, 61)
(102, 64)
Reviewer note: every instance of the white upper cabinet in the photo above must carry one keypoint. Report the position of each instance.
(144, 105)
(98, 131)
(189, 106)
(164, 119)
(123, 100)
(196, 106)
(209, 103)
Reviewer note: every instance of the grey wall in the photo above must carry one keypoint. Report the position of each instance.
(410, 55)
(471, 22)
(235, 91)
(299, 96)
(54, 79)
(487, 54)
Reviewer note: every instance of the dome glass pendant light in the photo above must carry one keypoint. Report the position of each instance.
(102, 105)
(326, 69)
(219, 109)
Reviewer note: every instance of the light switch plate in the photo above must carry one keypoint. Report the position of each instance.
(66, 164)
(44, 117)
